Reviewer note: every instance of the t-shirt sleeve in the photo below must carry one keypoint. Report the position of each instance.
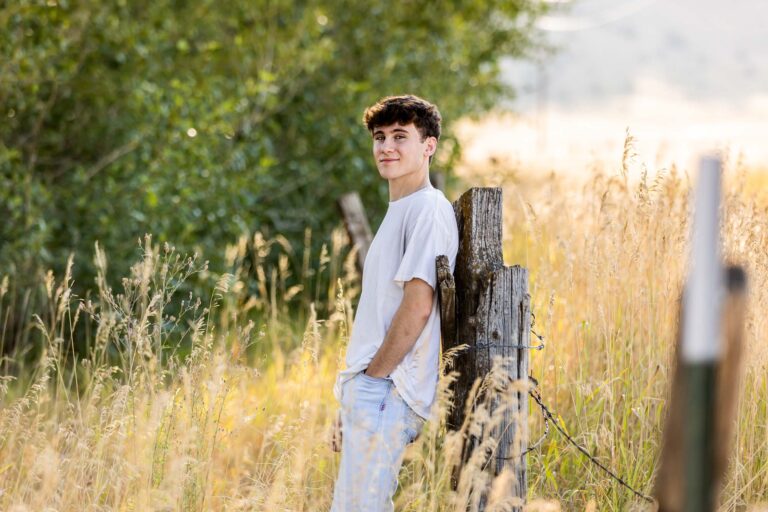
(423, 244)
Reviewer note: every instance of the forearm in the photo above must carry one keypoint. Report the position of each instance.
(401, 336)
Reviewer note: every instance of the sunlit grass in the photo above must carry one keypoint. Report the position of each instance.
(224, 402)
(607, 255)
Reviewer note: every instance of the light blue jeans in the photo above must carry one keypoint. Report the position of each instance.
(376, 426)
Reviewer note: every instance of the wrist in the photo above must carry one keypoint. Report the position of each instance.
(372, 375)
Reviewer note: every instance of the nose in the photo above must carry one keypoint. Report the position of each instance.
(387, 146)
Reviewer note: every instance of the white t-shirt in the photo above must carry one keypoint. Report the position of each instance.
(416, 229)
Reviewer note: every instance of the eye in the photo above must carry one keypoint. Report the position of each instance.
(399, 136)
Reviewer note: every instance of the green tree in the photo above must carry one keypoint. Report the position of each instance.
(199, 121)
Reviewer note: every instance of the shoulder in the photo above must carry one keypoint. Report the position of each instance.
(424, 206)
(435, 209)
(432, 201)
(444, 206)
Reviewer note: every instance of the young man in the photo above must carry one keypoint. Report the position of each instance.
(388, 388)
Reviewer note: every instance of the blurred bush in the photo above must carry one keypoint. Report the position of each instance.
(200, 121)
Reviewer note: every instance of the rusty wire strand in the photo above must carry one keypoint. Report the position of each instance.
(554, 417)
(549, 415)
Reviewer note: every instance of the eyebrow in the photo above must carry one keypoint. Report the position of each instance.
(396, 130)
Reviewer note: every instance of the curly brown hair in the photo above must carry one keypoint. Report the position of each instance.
(404, 110)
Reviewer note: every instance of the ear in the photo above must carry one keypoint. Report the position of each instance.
(431, 146)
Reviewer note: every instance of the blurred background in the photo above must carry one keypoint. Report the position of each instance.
(683, 77)
(201, 121)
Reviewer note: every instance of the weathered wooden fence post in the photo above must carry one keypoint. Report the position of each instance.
(356, 222)
(487, 307)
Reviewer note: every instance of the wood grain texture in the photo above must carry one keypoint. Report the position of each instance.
(446, 296)
(478, 215)
(491, 305)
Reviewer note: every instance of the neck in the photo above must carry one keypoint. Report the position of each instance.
(408, 184)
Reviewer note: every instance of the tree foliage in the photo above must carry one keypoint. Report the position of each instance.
(199, 121)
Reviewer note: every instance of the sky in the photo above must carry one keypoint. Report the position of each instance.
(684, 77)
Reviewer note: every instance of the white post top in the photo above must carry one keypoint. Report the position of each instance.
(704, 289)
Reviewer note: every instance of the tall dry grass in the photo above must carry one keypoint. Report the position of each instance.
(174, 408)
(237, 422)
(607, 255)
(224, 402)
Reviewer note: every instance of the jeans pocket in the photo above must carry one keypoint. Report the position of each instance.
(368, 399)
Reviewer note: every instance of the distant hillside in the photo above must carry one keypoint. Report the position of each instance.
(683, 76)
(709, 50)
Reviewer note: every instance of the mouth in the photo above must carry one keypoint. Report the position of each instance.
(386, 160)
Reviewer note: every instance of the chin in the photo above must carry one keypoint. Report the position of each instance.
(388, 174)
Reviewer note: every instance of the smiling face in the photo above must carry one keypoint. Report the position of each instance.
(399, 150)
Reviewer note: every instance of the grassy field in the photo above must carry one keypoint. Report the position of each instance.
(238, 418)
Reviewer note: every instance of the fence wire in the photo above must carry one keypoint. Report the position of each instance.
(549, 415)
(547, 412)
